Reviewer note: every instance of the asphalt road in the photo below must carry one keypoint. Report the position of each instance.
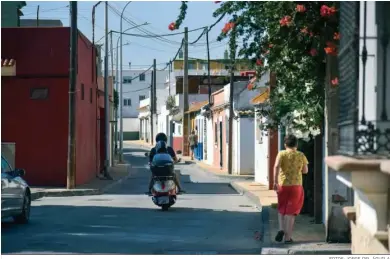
(211, 218)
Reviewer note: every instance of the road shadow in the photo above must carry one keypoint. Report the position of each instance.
(130, 230)
(138, 181)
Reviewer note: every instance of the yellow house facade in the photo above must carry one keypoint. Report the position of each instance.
(216, 65)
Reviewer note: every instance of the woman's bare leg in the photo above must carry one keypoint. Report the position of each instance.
(289, 220)
(281, 220)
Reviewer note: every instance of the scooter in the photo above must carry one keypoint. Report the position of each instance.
(164, 190)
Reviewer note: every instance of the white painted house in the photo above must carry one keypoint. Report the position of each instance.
(136, 87)
(243, 128)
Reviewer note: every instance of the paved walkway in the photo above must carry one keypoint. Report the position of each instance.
(308, 238)
(97, 186)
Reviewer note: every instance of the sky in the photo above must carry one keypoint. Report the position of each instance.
(140, 51)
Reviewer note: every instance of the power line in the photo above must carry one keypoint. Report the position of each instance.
(160, 38)
(48, 10)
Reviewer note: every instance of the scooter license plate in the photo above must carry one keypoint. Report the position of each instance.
(163, 200)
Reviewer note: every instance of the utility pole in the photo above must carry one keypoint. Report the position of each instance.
(231, 116)
(38, 16)
(71, 168)
(186, 122)
(154, 94)
(151, 107)
(119, 98)
(106, 99)
(121, 86)
(113, 111)
(208, 64)
(169, 77)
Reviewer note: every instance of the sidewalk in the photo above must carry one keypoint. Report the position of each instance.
(214, 170)
(141, 143)
(97, 186)
(308, 238)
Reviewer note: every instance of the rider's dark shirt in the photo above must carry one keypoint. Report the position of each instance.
(153, 152)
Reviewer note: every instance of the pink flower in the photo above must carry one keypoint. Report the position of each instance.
(228, 27)
(331, 48)
(336, 36)
(285, 21)
(313, 52)
(327, 11)
(335, 81)
(172, 26)
(304, 30)
(300, 8)
(259, 62)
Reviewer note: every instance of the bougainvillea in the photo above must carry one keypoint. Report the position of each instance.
(292, 40)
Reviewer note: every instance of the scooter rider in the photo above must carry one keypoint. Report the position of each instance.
(162, 137)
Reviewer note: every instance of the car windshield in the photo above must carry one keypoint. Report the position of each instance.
(4, 166)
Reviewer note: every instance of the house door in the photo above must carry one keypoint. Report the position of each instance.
(262, 165)
(220, 145)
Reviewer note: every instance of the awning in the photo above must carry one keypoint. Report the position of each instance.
(8, 67)
(261, 98)
(194, 107)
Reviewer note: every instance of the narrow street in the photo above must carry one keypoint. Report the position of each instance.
(211, 218)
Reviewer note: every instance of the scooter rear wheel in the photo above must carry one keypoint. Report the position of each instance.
(165, 207)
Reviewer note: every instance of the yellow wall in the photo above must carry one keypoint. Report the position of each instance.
(214, 65)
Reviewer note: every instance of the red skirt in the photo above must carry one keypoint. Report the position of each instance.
(290, 199)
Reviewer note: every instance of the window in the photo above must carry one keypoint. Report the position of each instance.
(216, 133)
(191, 65)
(142, 77)
(90, 95)
(39, 93)
(179, 129)
(127, 79)
(82, 91)
(142, 97)
(205, 66)
(113, 79)
(126, 102)
(5, 168)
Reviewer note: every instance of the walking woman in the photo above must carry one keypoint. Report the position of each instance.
(193, 142)
(289, 166)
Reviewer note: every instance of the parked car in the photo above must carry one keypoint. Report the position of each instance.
(15, 193)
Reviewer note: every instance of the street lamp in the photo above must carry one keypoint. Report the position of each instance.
(121, 84)
(116, 87)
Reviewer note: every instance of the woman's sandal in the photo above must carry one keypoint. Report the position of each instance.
(279, 236)
(288, 241)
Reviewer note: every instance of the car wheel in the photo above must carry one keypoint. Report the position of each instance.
(24, 217)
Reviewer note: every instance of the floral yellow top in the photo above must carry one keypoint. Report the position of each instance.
(291, 163)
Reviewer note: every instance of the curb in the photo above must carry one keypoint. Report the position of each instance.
(250, 195)
(225, 176)
(265, 229)
(87, 192)
(287, 251)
